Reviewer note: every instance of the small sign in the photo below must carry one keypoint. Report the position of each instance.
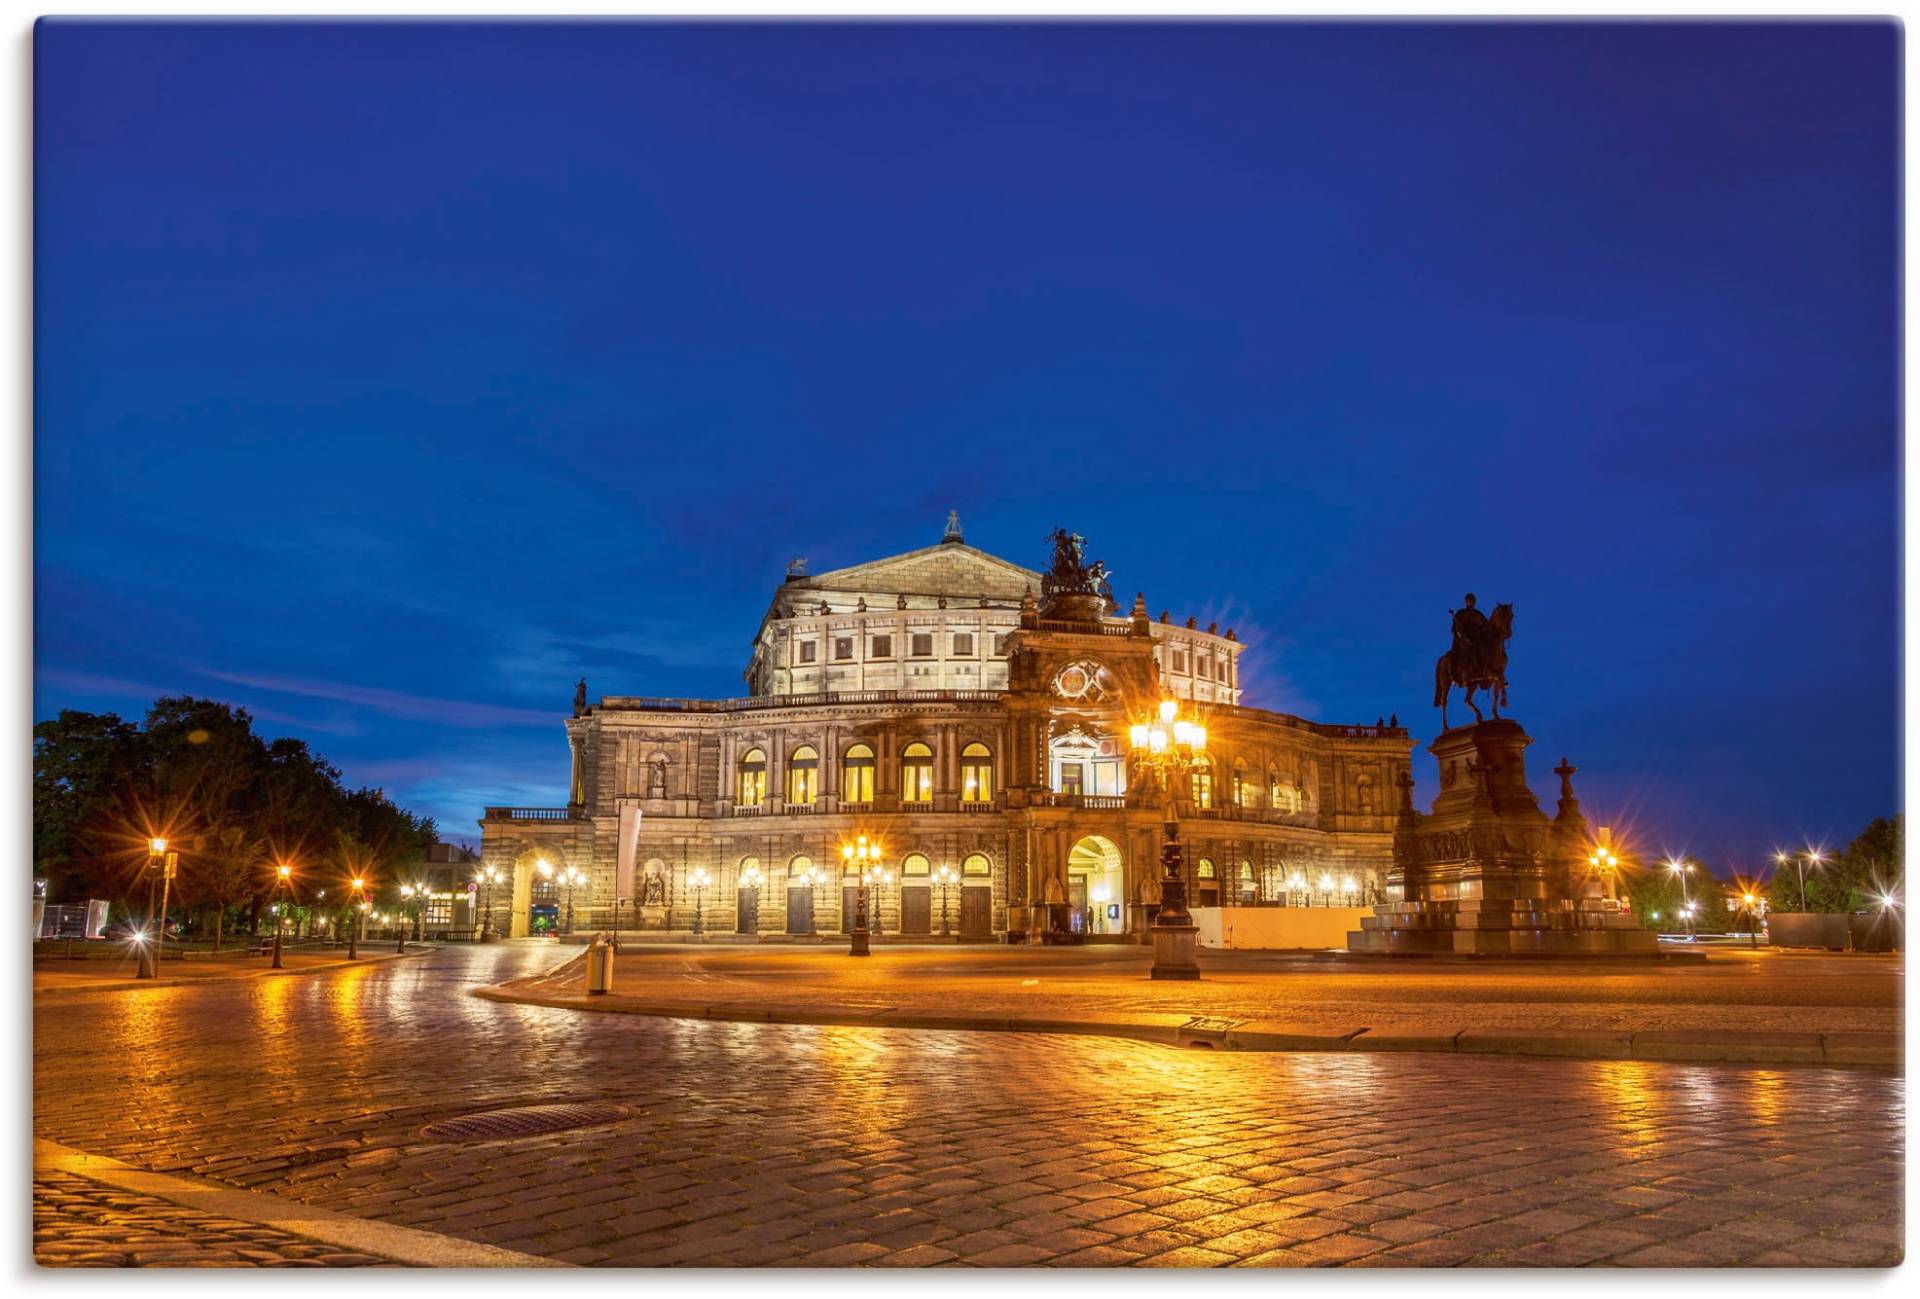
(173, 865)
(1113, 910)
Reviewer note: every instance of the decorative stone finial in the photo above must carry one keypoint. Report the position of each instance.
(1213, 629)
(953, 535)
(1230, 635)
(902, 603)
(1192, 624)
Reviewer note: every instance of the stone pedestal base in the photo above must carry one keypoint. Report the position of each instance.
(1500, 927)
(653, 917)
(1175, 949)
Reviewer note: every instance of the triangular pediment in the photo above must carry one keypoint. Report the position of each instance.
(951, 569)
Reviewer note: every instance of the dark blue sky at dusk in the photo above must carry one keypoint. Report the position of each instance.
(388, 378)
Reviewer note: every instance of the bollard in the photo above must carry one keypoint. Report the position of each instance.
(599, 967)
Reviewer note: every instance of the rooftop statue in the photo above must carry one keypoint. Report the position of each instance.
(1477, 659)
(1070, 573)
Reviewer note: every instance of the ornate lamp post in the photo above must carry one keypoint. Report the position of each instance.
(1604, 866)
(282, 890)
(406, 905)
(1680, 868)
(1168, 746)
(1098, 895)
(147, 945)
(881, 878)
(486, 877)
(751, 878)
(863, 856)
(572, 877)
(699, 879)
(945, 878)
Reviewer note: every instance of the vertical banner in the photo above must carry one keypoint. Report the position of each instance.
(628, 847)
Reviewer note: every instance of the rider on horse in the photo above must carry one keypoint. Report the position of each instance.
(1470, 642)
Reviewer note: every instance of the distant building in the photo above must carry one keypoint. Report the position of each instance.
(932, 701)
(447, 874)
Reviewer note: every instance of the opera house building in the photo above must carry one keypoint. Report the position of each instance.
(959, 710)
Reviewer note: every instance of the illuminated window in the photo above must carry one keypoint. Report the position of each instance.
(807, 649)
(857, 773)
(1247, 892)
(976, 774)
(1239, 782)
(976, 864)
(922, 644)
(797, 871)
(963, 644)
(803, 775)
(741, 871)
(916, 864)
(1273, 788)
(1205, 870)
(753, 779)
(1201, 779)
(916, 774)
(883, 647)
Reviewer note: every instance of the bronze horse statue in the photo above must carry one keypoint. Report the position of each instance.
(1489, 672)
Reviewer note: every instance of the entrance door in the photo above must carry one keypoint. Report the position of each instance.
(916, 911)
(799, 908)
(849, 907)
(747, 914)
(1081, 920)
(976, 912)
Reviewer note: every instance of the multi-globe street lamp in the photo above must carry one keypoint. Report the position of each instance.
(1169, 746)
(882, 877)
(1605, 866)
(699, 879)
(946, 877)
(486, 878)
(572, 877)
(861, 856)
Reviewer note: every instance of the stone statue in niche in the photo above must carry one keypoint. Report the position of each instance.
(657, 778)
(653, 890)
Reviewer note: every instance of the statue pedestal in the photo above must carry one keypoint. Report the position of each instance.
(1487, 873)
(1175, 951)
(653, 917)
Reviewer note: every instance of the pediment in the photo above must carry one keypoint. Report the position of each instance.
(953, 570)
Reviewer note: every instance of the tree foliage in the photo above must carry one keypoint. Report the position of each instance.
(232, 803)
(1872, 865)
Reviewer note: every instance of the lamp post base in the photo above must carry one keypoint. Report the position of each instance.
(1175, 949)
(146, 962)
(858, 944)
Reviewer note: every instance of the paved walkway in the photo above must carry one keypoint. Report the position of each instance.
(753, 1143)
(1766, 1006)
(52, 974)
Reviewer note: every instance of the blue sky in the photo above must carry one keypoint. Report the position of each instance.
(389, 377)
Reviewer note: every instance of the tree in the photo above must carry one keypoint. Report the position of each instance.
(1871, 867)
(228, 871)
(87, 771)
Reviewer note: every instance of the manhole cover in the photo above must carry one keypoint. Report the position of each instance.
(526, 1121)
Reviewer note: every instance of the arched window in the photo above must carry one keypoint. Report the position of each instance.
(1273, 787)
(916, 774)
(1206, 869)
(976, 774)
(803, 775)
(800, 870)
(750, 875)
(1206, 883)
(1239, 782)
(1248, 894)
(753, 779)
(976, 864)
(1201, 778)
(856, 785)
(915, 864)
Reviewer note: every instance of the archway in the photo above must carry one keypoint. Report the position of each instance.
(1097, 886)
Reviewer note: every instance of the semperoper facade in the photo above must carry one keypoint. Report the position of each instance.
(971, 715)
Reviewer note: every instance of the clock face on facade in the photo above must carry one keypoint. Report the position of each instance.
(1085, 682)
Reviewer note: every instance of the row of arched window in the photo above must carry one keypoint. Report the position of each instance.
(856, 775)
(801, 869)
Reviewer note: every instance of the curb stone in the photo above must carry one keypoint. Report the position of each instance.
(133, 985)
(1696, 1046)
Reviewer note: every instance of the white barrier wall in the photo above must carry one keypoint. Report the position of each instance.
(1277, 927)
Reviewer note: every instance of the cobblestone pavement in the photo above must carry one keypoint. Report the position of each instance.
(791, 1144)
(78, 1223)
(1734, 990)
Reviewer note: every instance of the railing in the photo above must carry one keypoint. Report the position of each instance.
(529, 814)
(1083, 628)
(749, 809)
(979, 805)
(1259, 815)
(801, 809)
(1093, 802)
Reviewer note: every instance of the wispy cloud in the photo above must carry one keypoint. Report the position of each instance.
(393, 703)
(121, 688)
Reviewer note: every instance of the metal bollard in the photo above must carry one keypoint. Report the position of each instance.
(599, 967)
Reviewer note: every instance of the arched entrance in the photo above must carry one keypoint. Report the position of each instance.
(1097, 886)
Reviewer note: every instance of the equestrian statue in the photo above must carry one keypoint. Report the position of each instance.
(1478, 659)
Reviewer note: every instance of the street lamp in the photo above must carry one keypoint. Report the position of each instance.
(1604, 864)
(355, 887)
(283, 875)
(699, 879)
(1100, 894)
(945, 877)
(1168, 746)
(571, 877)
(148, 953)
(545, 868)
(486, 878)
(862, 856)
(1811, 857)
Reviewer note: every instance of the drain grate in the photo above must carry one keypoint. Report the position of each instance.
(525, 1121)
